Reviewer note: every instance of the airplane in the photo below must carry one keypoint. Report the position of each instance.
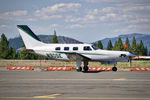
(71, 52)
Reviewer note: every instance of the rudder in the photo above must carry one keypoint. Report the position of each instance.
(29, 38)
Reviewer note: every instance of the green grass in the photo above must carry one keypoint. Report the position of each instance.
(36, 63)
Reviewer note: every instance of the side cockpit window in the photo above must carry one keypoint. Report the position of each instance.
(87, 48)
(57, 48)
(94, 47)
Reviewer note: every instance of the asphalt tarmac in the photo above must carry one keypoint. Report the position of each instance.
(72, 85)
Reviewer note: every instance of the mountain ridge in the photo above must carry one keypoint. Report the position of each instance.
(138, 36)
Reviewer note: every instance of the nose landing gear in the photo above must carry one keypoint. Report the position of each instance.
(114, 68)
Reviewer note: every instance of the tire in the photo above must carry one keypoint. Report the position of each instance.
(85, 68)
(80, 69)
(114, 69)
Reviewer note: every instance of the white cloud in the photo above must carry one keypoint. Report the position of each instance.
(18, 15)
(54, 26)
(75, 26)
(93, 11)
(133, 28)
(89, 17)
(140, 20)
(124, 19)
(119, 2)
(45, 29)
(13, 15)
(107, 9)
(3, 26)
(137, 8)
(51, 17)
(57, 10)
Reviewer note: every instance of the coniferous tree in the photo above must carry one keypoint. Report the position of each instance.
(54, 39)
(18, 55)
(120, 44)
(24, 54)
(12, 53)
(134, 46)
(4, 49)
(146, 51)
(100, 45)
(109, 45)
(138, 49)
(149, 53)
(95, 44)
(115, 45)
(142, 48)
(27, 55)
(127, 43)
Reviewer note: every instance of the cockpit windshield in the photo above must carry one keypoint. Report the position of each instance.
(94, 47)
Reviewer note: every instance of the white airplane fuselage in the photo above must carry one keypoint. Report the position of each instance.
(76, 52)
(50, 51)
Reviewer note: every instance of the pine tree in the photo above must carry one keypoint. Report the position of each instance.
(95, 44)
(115, 45)
(109, 45)
(127, 43)
(100, 45)
(54, 40)
(149, 53)
(12, 53)
(24, 54)
(138, 49)
(120, 44)
(4, 49)
(134, 46)
(27, 55)
(142, 48)
(146, 51)
(18, 55)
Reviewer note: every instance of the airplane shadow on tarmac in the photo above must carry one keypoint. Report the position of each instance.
(91, 71)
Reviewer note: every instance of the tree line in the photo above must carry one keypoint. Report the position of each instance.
(134, 47)
(7, 52)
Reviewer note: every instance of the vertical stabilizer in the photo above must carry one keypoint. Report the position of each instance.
(29, 38)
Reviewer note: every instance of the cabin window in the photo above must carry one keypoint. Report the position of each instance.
(87, 48)
(57, 48)
(66, 48)
(75, 48)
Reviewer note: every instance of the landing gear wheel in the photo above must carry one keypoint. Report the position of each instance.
(85, 68)
(80, 69)
(114, 69)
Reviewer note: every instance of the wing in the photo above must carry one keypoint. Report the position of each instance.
(73, 56)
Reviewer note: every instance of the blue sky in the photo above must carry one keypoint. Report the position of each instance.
(84, 20)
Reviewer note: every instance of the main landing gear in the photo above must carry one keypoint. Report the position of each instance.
(78, 62)
(79, 68)
(114, 68)
(85, 66)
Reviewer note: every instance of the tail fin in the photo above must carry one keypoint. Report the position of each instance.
(29, 38)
